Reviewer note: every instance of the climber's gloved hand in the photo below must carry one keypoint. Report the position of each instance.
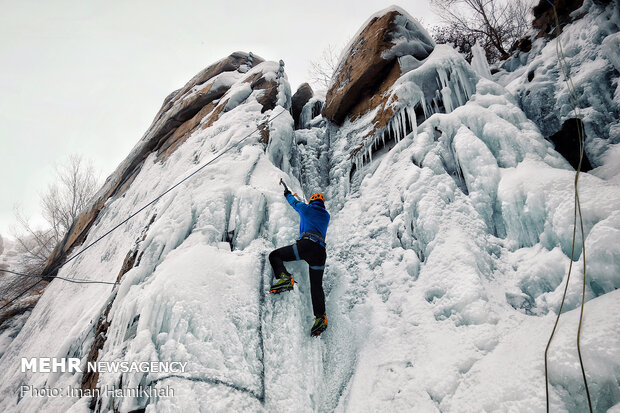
(286, 191)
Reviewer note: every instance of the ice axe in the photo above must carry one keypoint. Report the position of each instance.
(286, 188)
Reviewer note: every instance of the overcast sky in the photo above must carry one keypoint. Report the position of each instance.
(88, 77)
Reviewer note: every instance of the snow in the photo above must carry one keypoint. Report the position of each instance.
(410, 38)
(610, 169)
(591, 54)
(448, 255)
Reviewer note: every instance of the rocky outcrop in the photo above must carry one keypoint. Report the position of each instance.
(379, 99)
(300, 98)
(544, 18)
(197, 105)
(371, 63)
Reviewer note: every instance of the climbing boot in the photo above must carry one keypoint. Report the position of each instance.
(320, 324)
(285, 283)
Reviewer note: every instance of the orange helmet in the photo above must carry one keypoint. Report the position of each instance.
(317, 197)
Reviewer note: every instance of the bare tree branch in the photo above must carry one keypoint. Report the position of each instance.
(75, 186)
(498, 24)
(322, 69)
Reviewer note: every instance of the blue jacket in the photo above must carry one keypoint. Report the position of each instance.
(314, 216)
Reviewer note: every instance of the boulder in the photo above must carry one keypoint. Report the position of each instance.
(371, 58)
(298, 101)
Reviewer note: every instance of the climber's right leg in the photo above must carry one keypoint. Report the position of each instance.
(284, 279)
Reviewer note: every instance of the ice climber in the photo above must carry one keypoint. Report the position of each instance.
(310, 247)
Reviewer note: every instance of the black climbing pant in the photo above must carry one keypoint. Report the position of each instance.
(315, 255)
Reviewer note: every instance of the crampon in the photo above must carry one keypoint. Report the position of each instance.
(282, 287)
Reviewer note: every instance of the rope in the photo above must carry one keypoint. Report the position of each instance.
(81, 281)
(74, 280)
(577, 211)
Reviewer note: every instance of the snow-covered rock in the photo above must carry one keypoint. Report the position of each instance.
(371, 62)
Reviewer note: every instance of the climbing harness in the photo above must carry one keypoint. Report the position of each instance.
(313, 236)
(81, 281)
(577, 211)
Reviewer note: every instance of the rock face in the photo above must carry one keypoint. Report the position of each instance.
(300, 98)
(213, 91)
(544, 18)
(371, 63)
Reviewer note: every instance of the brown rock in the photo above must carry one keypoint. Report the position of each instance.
(367, 64)
(380, 100)
(185, 104)
(300, 98)
(270, 97)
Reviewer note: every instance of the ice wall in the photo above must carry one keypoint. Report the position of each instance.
(539, 83)
(458, 261)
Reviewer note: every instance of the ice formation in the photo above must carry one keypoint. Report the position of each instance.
(443, 82)
(311, 111)
(591, 54)
(479, 62)
(447, 256)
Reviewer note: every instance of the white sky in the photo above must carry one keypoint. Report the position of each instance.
(88, 77)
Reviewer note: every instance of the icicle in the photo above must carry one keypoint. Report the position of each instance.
(396, 130)
(436, 108)
(413, 123)
(370, 154)
(426, 107)
(402, 121)
(409, 119)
